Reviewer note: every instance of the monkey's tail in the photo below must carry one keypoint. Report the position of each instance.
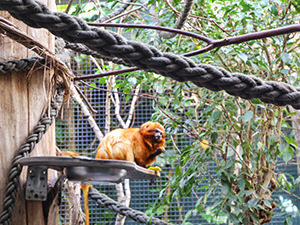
(85, 190)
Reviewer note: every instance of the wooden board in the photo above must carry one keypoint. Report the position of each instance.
(23, 100)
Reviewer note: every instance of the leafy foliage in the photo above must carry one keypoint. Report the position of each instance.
(246, 138)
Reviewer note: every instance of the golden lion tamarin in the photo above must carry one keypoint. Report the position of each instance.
(139, 145)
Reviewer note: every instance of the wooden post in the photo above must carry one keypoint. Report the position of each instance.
(23, 99)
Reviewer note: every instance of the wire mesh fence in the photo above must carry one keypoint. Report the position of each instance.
(75, 134)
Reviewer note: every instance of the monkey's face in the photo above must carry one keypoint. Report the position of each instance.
(153, 132)
(156, 135)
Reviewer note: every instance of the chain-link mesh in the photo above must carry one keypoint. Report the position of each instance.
(74, 133)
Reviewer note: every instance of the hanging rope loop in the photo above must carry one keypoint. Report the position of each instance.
(30, 142)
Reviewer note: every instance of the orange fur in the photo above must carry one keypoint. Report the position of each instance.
(69, 153)
(139, 145)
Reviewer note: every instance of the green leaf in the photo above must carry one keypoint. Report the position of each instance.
(187, 215)
(160, 210)
(127, 98)
(267, 203)
(92, 84)
(288, 220)
(252, 203)
(286, 72)
(282, 147)
(287, 155)
(260, 145)
(178, 170)
(274, 10)
(225, 189)
(256, 101)
(102, 80)
(249, 192)
(159, 88)
(297, 181)
(285, 57)
(243, 56)
(241, 184)
(282, 179)
(248, 116)
(290, 140)
(216, 116)
(163, 101)
(205, 198)
(132, 80)
(214, 137)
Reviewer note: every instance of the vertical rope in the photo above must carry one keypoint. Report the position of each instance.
(27, 147)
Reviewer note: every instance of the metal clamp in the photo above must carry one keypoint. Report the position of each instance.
(36, 183)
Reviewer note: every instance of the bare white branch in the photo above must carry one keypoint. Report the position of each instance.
(86, 112)
(132, 107)
(118, 106)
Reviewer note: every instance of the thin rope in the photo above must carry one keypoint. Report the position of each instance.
(188, 4)
(24, 151)
(21, 65)
(104, 201)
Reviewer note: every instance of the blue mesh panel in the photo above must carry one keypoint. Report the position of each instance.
(75, 134)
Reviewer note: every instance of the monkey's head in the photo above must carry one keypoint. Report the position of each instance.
(154, 133)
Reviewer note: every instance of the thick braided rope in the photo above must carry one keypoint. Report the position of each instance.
(24, 150)
(146, 57)
(21, 65)
(104, 201)
(85, 50)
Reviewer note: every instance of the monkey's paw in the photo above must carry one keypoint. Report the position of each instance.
(159, 151)
(155, 168)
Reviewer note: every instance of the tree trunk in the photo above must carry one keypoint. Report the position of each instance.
(23, 100)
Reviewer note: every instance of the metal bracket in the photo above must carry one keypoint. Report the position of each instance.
(36, 183)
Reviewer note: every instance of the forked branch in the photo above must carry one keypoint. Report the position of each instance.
(212, 43)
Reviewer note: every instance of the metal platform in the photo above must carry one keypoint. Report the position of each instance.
(86, 169)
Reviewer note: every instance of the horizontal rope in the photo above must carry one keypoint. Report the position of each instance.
(111, 45)
(104, 201)
(21, 65)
